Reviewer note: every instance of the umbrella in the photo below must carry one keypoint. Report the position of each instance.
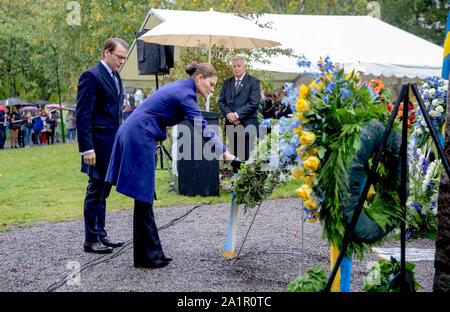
(55, 106)
(206, 29)
(15, 101)
(28, 108)
(39, 102)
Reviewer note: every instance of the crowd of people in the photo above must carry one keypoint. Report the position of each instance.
(37, 127)
(272, 106)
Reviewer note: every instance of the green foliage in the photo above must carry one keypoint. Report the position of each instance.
(314, 280)
(256, 180)
(381, 277)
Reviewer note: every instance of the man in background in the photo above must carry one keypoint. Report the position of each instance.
(238, 102)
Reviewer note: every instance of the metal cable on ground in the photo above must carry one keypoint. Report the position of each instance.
(120, 251)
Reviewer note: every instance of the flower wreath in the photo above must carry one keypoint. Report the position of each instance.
(332, 111)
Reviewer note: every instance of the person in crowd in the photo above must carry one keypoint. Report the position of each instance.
(14, 125)
(98, 116)
(238, 102)
(50, 125)
(38, 126)
(57, 118)
(44, 132)
(132, 165)
(27, 125)
(71, 126)
(267, 105)
(2, 129)
(281, 109)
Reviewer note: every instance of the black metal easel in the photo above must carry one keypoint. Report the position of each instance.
(372, 178)
(164, 155)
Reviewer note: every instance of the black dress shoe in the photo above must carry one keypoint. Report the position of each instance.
(151, 265)
(111, 243)
(168, 259)
(97, 247)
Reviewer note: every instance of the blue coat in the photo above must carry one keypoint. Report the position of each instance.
(132, 165)
(98, 115)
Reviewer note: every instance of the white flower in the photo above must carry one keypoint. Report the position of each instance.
(436, 102)
(439, 109)
(432, 91)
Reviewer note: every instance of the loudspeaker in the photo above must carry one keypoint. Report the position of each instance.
(153, 58)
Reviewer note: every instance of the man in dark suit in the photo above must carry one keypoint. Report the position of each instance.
(98, 116)
(238, 101)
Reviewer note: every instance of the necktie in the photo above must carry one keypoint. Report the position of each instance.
(236, 85)
(115, 81)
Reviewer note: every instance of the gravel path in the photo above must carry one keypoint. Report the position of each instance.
(32, 259)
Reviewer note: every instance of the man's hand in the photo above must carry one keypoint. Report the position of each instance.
(231, 117)
(89, 158)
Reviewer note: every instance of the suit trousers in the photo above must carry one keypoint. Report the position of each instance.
(241, 143)
(95, 209)
(146, 244)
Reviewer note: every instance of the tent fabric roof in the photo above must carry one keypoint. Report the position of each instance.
(364, 43)
(361, 43)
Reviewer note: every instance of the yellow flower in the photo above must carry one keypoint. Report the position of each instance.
(302, 118)
(311, 204)
(311, 163)
(302, 105)
(307, 138)
(304, 191)
(298, 130)
(298, 173)
(314, 217)
(309, 180)
(313, 85)
(320, 86)
(301, 150)
(371, 192)
(303, 92)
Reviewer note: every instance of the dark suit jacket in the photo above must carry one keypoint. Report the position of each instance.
(98, 116)
(244, 101)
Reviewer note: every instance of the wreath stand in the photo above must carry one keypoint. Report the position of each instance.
(372, 179)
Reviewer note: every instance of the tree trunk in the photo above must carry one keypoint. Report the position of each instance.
(441, 281)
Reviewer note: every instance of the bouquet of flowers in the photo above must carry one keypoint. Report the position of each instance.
(423, 192)
(434, 94)
(384, 276)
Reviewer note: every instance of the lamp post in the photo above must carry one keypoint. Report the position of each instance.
(63, 137)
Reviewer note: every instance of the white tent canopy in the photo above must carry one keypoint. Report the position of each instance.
(363, 43)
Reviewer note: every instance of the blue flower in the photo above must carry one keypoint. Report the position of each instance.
(416, 206)
(326, 99)
(266, 123)
(345, 93)
(303, 62)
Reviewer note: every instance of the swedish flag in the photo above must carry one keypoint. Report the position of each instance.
(446, 64)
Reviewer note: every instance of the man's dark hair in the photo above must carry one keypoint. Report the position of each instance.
(112, 43)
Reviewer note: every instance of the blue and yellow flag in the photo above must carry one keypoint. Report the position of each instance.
(446, 63)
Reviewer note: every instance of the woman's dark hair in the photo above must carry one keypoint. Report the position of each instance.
(112, 43)
(205, 69)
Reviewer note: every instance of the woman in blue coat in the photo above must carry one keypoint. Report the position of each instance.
(132, 165)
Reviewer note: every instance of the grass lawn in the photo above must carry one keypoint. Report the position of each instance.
(45, 184)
